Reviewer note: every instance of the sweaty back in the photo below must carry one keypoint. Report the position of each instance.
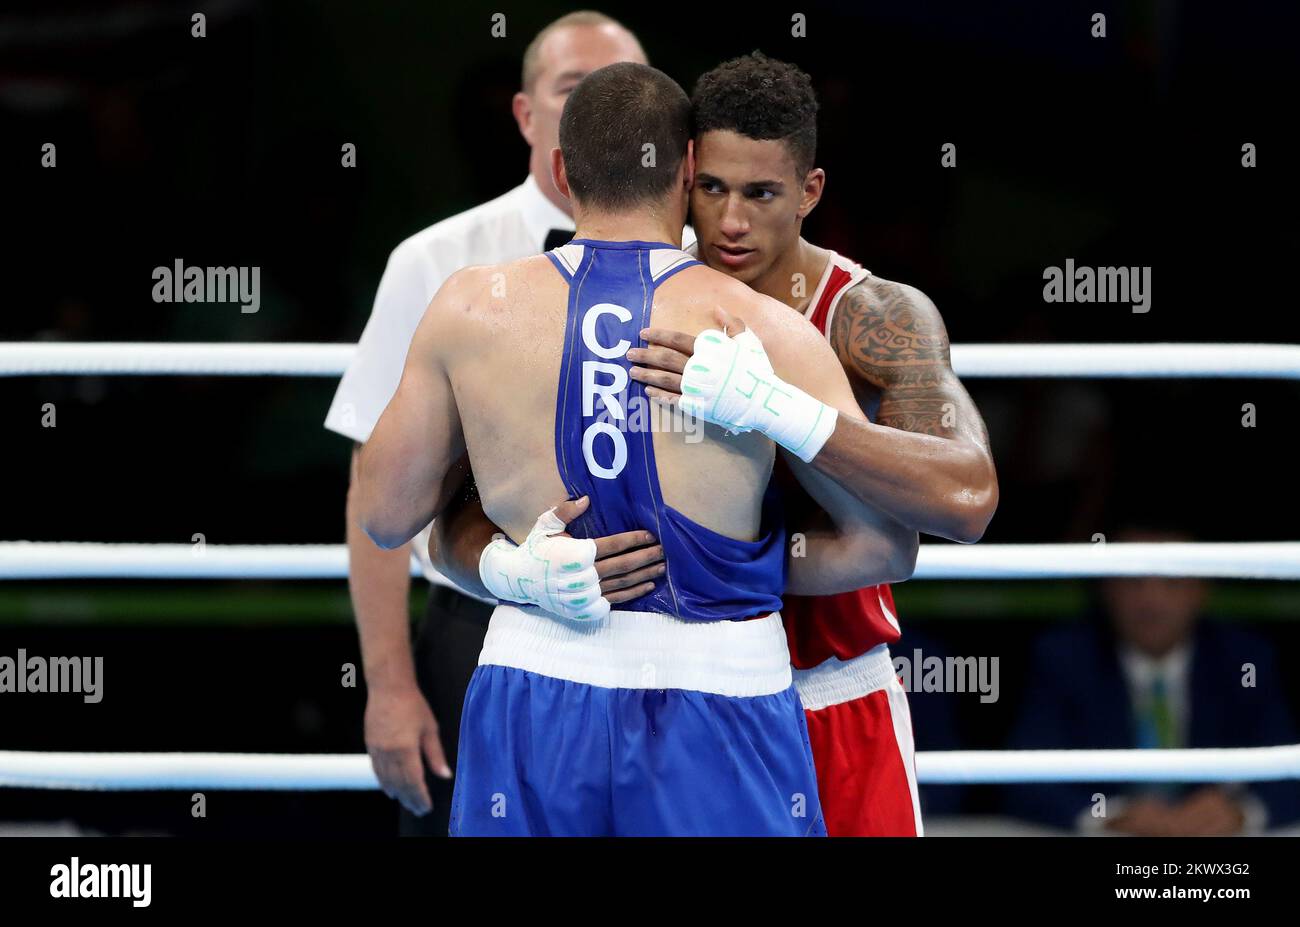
(605, 445)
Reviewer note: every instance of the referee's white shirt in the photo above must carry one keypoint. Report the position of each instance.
(510, 227)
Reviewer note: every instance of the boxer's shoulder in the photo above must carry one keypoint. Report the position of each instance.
(693, 296)
(490, 288)
(486, 306)
(884, 322)
(877, 296)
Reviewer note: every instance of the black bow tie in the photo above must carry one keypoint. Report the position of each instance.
(556, 238)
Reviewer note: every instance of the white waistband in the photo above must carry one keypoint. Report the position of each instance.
(836, 681)
(644, 650)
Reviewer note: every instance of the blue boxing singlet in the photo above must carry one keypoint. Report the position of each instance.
(670, 717)
(605, 450)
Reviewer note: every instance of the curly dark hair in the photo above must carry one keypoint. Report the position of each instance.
(760, 98)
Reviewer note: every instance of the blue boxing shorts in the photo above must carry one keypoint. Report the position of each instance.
(639, 725)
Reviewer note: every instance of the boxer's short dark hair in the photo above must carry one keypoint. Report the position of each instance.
(608, 120)
(760, 98)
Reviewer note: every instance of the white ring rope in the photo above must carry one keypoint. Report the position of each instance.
(75, 560)
(165, 358)
(1239, 560)
(335, 771)
(969, 360)
(269, 771)
(1280, 361)
(1235, 764)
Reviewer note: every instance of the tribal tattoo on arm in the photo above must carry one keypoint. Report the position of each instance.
(891, 338)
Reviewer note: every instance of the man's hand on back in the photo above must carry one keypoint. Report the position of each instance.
(574, 578)
(725, 377)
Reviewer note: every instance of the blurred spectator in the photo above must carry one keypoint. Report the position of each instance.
(1150, 673)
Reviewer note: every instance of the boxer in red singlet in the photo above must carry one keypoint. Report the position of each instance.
(929, 466)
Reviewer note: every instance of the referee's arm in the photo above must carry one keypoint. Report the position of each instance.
(401, 732)
(380, 580)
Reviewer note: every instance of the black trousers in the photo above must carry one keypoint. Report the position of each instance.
(447, 645)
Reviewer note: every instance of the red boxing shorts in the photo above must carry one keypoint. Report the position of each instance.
(861, 734)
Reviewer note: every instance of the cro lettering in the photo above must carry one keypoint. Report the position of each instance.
(607, 391)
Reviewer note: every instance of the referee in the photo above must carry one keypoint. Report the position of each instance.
(415, 695)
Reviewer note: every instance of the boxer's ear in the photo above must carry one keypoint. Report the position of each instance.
(814, 183)
(558, 175)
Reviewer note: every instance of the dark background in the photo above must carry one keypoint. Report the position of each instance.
(225, 150)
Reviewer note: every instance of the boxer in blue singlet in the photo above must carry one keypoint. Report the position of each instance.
(651, 737)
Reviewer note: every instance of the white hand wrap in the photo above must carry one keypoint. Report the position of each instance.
(729, 382)
(557, 574)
